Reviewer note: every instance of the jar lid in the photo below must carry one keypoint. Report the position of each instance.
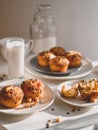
(44, 6)
(43, 12)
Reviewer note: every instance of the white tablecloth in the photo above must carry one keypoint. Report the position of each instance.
(58, 108)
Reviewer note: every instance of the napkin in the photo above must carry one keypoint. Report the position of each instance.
(76, 124)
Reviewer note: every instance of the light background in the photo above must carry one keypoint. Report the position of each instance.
(76, 20)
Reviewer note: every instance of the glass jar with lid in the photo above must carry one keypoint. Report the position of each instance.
(43, 29)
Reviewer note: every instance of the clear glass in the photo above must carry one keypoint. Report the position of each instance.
(15, 54)
(43, 29)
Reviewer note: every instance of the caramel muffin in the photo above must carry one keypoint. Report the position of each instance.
(33, 88)
(11, 96)
(74, 58)
(70, 92)
(44, 57)
(59, 64)
(58, 51)
(88, 89)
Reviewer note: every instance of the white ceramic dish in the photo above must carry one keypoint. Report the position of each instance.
(47, 100)
(47, 71)
(3, 47)
(84, 70)
(73, 101)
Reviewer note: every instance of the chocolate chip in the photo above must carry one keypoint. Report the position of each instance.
(4, 75)
(78, 109)
(67, 113)
(1, 78)
(52, 109)
(74, 108)
(47, 125)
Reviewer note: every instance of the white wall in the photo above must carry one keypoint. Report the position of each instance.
(77, 22)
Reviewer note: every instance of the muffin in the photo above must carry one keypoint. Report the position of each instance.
(58, 51)
(70, 92)
(59, 64)
(33, 89)
(44, 57)
(11, 96)
(88, 89)
(74, 58)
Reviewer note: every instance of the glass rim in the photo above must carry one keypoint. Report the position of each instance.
(15, 40)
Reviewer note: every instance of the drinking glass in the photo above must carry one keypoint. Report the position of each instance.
(15, 55)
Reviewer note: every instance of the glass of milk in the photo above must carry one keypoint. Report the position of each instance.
(15, 54)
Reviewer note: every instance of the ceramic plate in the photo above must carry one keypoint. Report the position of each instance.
(32, 67)
(73, 101)
(46, 101)
(47, 71)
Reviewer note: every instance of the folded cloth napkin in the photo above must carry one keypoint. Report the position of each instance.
(76, 124)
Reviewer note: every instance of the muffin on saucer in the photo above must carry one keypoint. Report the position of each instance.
(58, 51)
(44, 58)
(59, 64)
(11, 96)
(33, 89)
(74, 58)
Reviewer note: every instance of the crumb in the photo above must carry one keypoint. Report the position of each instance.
(29, 100)
(1, 78)
(74, 108)
(49, 121)
(26, 105)
(47, 125)
(4, 75)
(40, 102)
(58, 119)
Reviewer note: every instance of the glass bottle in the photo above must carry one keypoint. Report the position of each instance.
(43, 30)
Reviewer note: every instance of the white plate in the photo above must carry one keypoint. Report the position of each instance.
(46, 70)
(48, 99)
(84, 70)
(73, 101)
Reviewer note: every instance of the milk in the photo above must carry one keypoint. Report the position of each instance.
(15, 51)
(43, 44)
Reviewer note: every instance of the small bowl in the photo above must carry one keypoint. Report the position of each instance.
(3, 48)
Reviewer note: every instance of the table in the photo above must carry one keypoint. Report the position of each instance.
(58, 108)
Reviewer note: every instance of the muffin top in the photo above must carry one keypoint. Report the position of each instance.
(59, 61)
(58, 51)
